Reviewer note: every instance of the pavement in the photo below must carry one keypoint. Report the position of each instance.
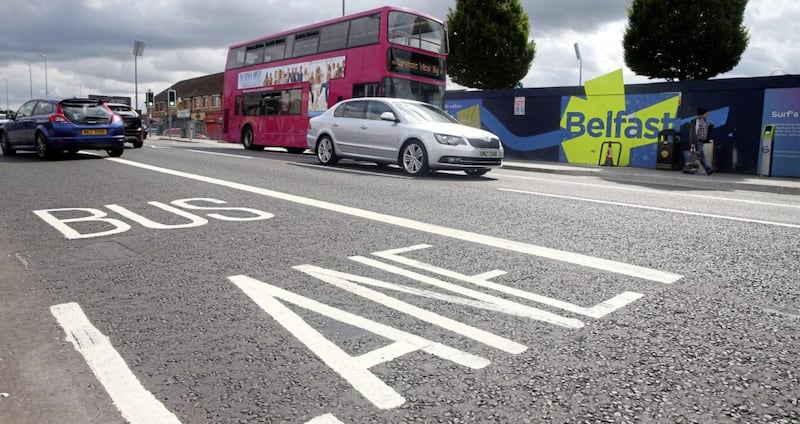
(642, 176)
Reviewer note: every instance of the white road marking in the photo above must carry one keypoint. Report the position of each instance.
(136, 404)
(354, 370)
(350, 282)
(598, 311)
(220, 154)
(499, 243)
(654, 208)
(501, 305)
(645, 190)
(489, 274)
(325, 419)
(22, 260)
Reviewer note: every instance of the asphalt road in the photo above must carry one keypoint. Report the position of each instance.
(195, 283)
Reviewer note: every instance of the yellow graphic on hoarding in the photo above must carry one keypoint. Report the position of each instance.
(470, 116)
(601, 118)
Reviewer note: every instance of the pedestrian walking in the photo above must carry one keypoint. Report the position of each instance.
(698, 136)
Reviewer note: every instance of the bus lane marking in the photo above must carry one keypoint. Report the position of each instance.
(653, 208)
(496, 242)
(135, 403)
(598, 311)
(355, 370)
(350, 282)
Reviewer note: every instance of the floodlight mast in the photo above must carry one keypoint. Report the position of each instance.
(138, 50)
(580, 64)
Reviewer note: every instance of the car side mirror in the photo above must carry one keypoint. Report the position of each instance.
(11, 115)
(389, 116)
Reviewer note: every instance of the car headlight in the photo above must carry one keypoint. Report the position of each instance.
(451, 140)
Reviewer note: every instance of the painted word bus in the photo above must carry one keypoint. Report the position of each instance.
(272, 85)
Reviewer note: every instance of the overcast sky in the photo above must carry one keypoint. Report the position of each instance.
(88, 44)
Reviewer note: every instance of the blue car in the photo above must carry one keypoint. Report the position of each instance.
(50, 126)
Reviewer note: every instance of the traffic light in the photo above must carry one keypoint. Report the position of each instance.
(149, 99)
(171, 97)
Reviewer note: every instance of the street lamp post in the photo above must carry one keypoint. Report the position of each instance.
(138, 50)
(580, 62)
(342, 7)
(30, 77)
(46, 92)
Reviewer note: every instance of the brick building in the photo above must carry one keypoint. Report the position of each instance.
(199, 105)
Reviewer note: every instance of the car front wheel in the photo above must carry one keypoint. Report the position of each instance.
(414, 159)
(5, 146)
(41, 146)
(325, 151)
(138, 144)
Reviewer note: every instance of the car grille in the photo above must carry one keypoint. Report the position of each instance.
(460, 160)
(484, 143)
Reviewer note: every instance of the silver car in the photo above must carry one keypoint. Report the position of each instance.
(417, 136)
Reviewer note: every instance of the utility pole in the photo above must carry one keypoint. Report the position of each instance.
(138, 50)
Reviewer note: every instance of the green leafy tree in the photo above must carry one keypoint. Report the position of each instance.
(489, 45)
(684, 40)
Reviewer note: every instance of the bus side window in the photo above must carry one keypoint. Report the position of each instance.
(365, 90)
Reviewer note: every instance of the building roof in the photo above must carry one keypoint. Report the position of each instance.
(201, 86)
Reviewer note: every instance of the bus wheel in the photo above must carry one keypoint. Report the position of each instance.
(325, 152)
(247, 140)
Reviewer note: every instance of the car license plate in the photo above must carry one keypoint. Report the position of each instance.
(490, 153)
(93, 132)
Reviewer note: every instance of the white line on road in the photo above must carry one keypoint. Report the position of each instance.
(631, 205)
(325, 419)
(645, 190)
(496, 242)
(136, 404)
(220, 154)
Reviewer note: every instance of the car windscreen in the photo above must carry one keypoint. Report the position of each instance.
(421, 112)
(85, 113)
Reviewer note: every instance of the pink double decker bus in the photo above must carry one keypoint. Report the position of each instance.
(272, 85)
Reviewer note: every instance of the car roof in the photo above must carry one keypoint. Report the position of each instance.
(390, 99)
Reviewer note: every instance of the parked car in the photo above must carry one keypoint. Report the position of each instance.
(134, 130)
(50, 126)
(417, 136)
